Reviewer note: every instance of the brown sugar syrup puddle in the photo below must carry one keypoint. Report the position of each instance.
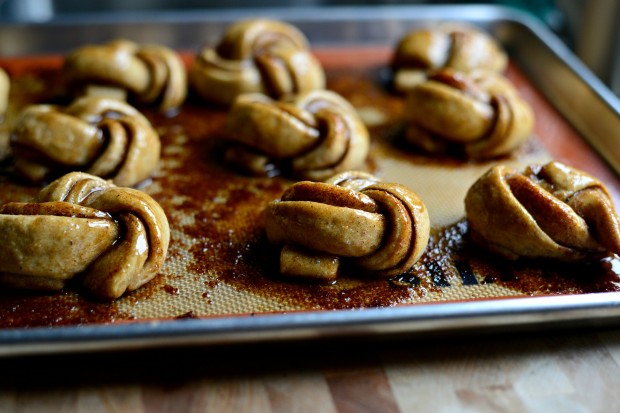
(219, 262)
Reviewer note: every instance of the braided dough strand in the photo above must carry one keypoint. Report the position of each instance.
(459, 47)
(550, 211)
(256, 56)
(100, 136)
(111, 239)
(479, 114)
(153, 74)
(312, 136)
(382, 229)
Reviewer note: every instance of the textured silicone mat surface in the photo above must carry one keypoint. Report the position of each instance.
(219, 262)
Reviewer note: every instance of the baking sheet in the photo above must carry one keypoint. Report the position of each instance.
(366, 34)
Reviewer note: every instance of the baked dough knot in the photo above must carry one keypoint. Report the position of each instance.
(152, 74)
(256, 56)
(459, 47)
(110, 239)
(311, 136)
(5, 87)
(100, 136)
(551, 211)
(381, 229)
(479, 115)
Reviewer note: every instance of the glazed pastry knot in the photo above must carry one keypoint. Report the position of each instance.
(461, 48)
(256, 56)
(380, 228)
(479, 115)
(313, 135)
(153, 74)
(111, 239)
(551, 211)
(103, 137)
(5, 86)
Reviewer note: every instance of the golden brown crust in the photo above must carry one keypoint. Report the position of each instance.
(5, 86)
(550, 211)
(313, 135)
(458, 47)
(382, 228)
(112, 239)
(256, 56)
(153, 74)
(103, 137)
(479, 115)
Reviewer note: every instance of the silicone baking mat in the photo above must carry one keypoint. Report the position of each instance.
(219, 262)
(219, 285)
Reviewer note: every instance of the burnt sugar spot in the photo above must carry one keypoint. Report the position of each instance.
(533, 277)
(253, 266)
(538, 277)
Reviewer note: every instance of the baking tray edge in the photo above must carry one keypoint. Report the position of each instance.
(592, 109)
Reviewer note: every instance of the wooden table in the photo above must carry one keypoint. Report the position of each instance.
(535, 371)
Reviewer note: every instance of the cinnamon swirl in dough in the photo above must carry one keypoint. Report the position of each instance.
(101, 136)
(256, 56)
(551, 211)
(111, 239)
(381, 228)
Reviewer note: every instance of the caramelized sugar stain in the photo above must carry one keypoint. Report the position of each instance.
(474, 265)
(252, 267)
(216, 216)
(23, 309)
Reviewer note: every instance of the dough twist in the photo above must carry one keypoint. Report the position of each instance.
(256, 56)
(462, 48)
(112, 239)
(550, 211)
(382, 228)
(153, 74)
(479, 114)
(313, 136)
(103, 137)
(5, 87)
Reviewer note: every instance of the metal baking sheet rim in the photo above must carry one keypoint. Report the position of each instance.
(585, 310)
(527, 41)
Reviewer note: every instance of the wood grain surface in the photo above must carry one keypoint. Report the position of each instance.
(537, 371)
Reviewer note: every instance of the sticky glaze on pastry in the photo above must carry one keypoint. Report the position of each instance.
(5, 86)
(477, 115)
(256, 56)
(458, 47)
(151, 74)
(101, 136)
(110, 239)
(311, 136)
(382, 229)
(551, 211)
